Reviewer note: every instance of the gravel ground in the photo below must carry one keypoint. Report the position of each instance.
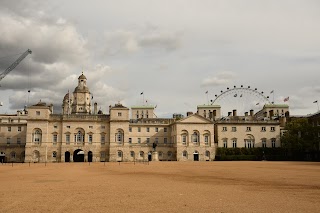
(161, 187)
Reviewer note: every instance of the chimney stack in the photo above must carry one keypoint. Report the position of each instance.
(246, 114)
(234, 112)
(271, 113)
(189, 113)
(251, 112)
(95, 108)
(229, 113)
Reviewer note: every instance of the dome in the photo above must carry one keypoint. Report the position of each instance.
(66, 97)
(82, 76)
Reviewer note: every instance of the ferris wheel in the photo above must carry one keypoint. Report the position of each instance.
(243, 99)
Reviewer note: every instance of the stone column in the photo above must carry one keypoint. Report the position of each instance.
(155, 156)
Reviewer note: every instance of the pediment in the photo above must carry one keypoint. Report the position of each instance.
(195, 119)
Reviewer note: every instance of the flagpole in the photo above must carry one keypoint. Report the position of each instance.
(207, 98)
(273, 97)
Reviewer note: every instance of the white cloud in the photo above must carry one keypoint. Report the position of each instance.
(223, 78)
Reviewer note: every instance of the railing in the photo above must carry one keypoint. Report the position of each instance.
(152, 121)
(79, 116)
(244, 121)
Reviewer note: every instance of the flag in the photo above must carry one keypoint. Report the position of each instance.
(207, 92)
(235, 95)
(141, 93)
(28, 90)
(272, 91)
(241, 96)
(286, 99)
(257, 103)
(315, 101)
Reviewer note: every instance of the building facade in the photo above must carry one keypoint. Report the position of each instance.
(82, 134)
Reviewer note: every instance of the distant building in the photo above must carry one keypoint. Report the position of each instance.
(81, 133)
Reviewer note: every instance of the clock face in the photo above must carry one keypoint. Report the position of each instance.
(80, 97)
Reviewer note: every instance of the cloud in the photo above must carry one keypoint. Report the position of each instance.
(222, 78)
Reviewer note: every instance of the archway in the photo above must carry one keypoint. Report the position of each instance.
(196, 156)
(89, 156)
(149, 156)
(67, 156)
(78, 155)
(2, 157)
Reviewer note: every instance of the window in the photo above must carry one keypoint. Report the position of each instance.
(103, 127)
(263, 129)
(68, 127)
(207, 153)
(139, 129)
(90, 127)
(8, 140)
(160, 154)
(130, 129)
(119, 154)
(157, 129)
(37, 112)
(184, 139)
(103, 139)
(165, 140)
(37, 135)
(130, 140)
(234, 129)
(90, 138)
(273, 129)
(148, 140)
(234, 143)
(12, 155)
(132, 154)
(248, 143)
(225, 143)
(273, 142)
(148, 129)
(67, 138)
(119, 137)
(206, 139)
(102, 154)
(79, 137)
(9, 128)
(264, 142)
(169, 154)
(195, 137)
(55, 139)
(248, 129)
(165, 129)
(19, 128)
(141, 153)
(139, 140)
(185, 154)
(224, 129)
(55, 126)
(54, 154)
(119, 114)
(18, 140)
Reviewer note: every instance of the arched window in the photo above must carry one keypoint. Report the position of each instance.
(119, 154)
(132, 154)
(79, 138)
(207, 153)
(12, 155)
(195, 137)
(160, 154)
(184, 137)
(185, 154)
(169, 154)
(141, 153)
(119, 136)
(37, 136)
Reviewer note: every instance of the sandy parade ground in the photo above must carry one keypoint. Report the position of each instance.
(161, 187)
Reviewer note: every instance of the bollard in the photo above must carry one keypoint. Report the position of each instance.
(29, 163)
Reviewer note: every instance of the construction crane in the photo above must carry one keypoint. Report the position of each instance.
(14, 64)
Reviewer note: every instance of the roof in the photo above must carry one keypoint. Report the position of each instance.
(82, 76)
(143, 107)
(208, 106)
(275, 105)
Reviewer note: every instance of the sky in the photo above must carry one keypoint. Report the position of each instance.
(171, 50)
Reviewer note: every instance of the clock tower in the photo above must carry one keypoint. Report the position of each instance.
(81, 103)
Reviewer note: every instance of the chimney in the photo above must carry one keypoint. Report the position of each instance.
(95, 108)
(271, 113)
(234, 112)
(251, 112)
(189, 113)
(229, 113)
(246, 114)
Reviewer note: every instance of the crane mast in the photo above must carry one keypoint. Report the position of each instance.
(14, 64)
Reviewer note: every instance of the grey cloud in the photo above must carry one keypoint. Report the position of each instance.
(223, 78)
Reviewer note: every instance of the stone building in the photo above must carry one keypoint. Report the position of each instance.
(81, 133)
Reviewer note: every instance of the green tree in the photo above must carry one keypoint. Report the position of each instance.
(300, 137)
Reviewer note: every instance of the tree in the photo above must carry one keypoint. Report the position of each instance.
(300, 137)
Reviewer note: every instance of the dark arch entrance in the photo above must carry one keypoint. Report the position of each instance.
(67, 156)
(195, 156)
(78, 155)
(89, 156)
